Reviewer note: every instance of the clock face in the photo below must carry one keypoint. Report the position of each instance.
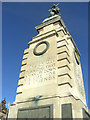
(76, 57)
(41, 48)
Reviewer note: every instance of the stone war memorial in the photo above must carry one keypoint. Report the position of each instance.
(50, 83)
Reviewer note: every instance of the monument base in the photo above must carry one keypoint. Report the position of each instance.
(50, 107)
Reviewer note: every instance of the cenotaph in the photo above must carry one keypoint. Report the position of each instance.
(51, 82)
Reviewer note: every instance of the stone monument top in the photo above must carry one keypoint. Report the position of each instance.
(54, 10)
(54, 13)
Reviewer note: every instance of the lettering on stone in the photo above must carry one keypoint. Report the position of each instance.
(41, 73)
(78, 78)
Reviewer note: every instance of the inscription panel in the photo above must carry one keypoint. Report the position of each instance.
(41, 69)
(41, 74)
(67, 111)
(85, 115)
(39, 112)
(78, 78)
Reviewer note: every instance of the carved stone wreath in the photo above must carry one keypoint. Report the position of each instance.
(41, 53)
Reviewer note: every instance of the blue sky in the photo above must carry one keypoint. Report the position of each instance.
(18, 28)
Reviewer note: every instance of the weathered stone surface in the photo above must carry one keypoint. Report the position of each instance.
(21, 75)
(26, 51)
(21, 81)
(25, 56)
(24, 62)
